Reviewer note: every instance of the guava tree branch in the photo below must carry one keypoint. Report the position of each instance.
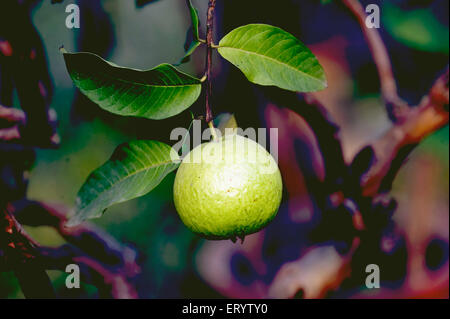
(391, 148)
(110, 281)
(208, 67)
(395, 105)
(18, 252)
(388, 153)
(103, 261)
(91, 239)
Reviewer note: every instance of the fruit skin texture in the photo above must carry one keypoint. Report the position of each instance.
(221, 193)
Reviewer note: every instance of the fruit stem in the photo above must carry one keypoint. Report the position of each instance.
(208, 66)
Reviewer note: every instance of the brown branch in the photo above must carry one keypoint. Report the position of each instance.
(20, 254)
(411, 125)
(110, 281)
(208, 67)
(103, 261)
(388, 153)
(430, 115)
(92, 240)
(395, 105)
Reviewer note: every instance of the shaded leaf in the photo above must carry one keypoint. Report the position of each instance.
(192, 36)
(192, 46)
(195, 20)
(268, 55)
(133, 170)
(158, 93)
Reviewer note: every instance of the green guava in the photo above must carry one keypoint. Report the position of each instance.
(228, 188)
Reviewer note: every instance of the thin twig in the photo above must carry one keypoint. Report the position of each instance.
(395, 105)
(208, 67)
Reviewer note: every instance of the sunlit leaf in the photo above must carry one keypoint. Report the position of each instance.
(158, 93)
(133, 170)
(267, 55)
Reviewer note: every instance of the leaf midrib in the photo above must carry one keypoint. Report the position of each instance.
(130, 175)
(274, 60)
(144, 84)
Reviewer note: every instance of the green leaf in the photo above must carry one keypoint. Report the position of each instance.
(187, 56)
(267, 55)
(158, 93)
(195, 20)
(133, 170)
(192, 37)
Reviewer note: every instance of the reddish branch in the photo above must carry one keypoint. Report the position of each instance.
(411, 125)
(19, 253)
(420, 121)
(387, 155)
(396, 106)
(103, 261)
(208, 68)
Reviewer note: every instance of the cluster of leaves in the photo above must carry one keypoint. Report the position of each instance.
(267, 55)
